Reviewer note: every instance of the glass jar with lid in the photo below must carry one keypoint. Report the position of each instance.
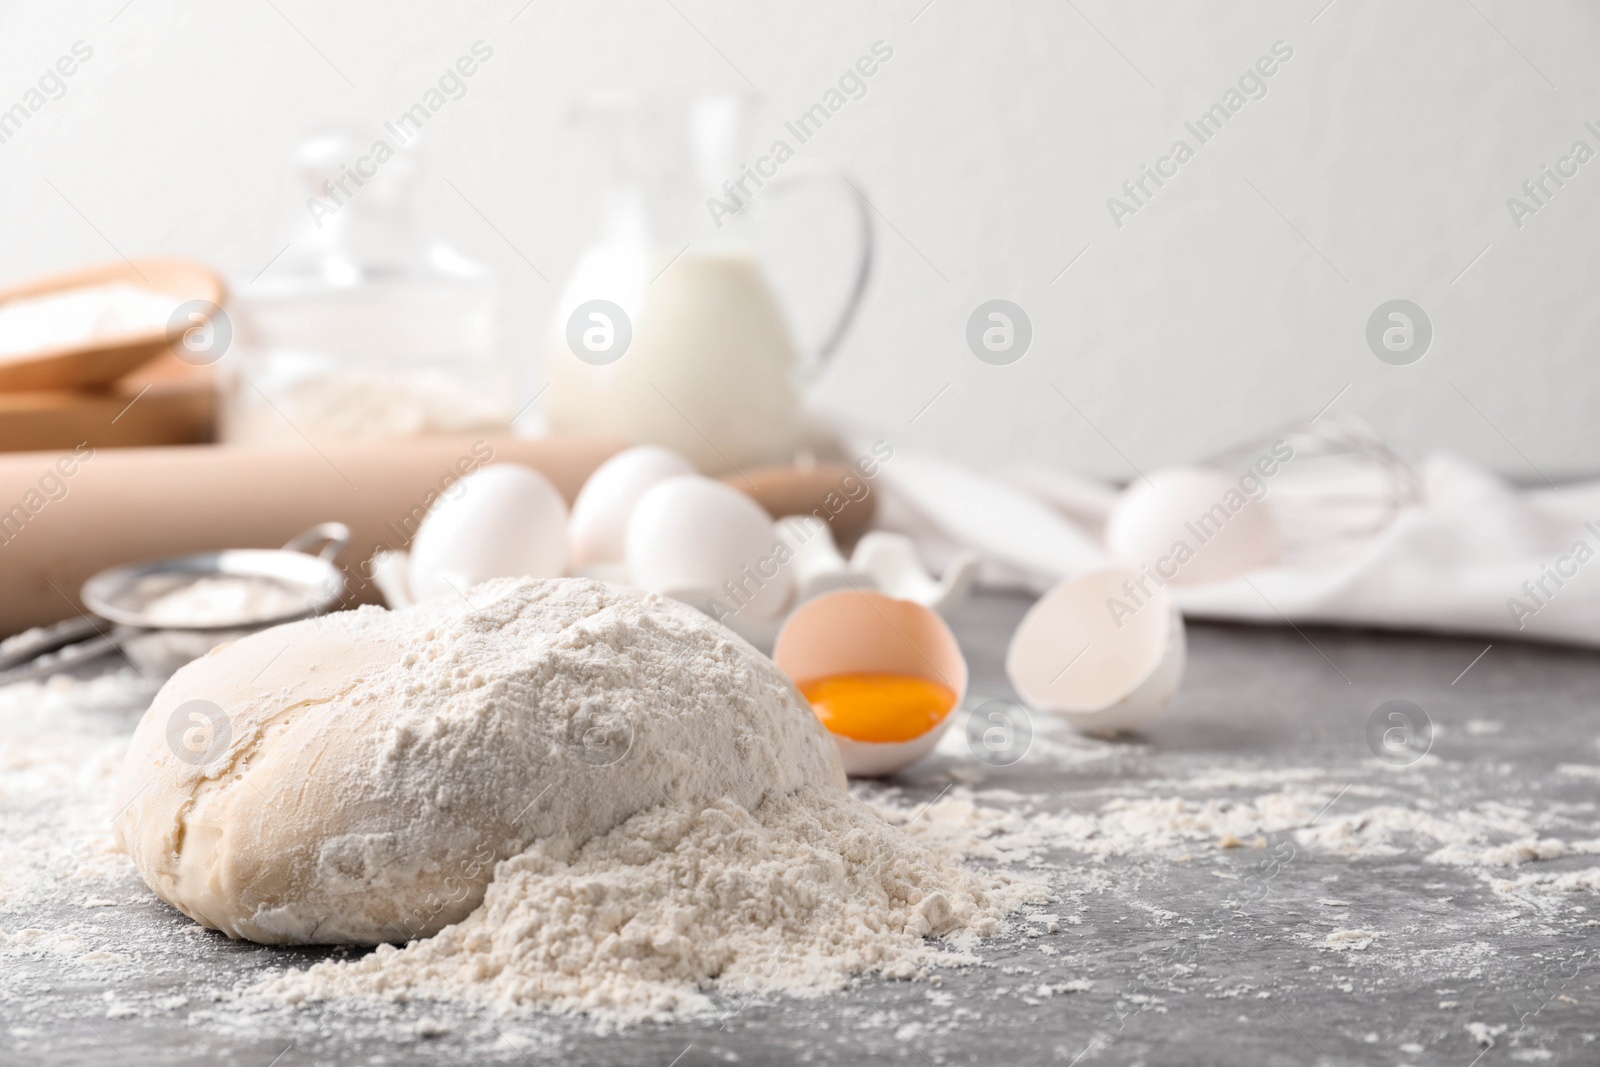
(364, 328)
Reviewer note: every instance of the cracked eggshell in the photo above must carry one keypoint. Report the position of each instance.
(598, 529)
(1103, 659)
(501, 521)
(816, 563)
(894, 563)
(1224, 532)
(689, 536)
(859, 631)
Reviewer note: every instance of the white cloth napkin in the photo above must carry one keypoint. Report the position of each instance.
(1476, 556)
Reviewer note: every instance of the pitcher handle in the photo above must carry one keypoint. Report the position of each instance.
(864, 259)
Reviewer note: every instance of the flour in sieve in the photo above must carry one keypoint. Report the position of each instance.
(221, 599)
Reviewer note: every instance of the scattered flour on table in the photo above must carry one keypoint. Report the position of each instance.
(58, 758)
(1350, 940)
(1484, 1034)
(1563, 882)
(1154, 825)
(61, 741)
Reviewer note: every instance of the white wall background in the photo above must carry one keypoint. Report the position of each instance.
(1377, 166)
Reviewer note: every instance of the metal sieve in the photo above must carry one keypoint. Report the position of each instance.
(121, 600)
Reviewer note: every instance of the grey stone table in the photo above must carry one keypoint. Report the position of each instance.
(1279, 947)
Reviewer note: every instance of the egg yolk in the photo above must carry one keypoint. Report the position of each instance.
(879, 707)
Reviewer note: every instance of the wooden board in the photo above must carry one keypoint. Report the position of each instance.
(165, 402)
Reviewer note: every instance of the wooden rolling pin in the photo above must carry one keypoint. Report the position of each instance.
(66, 515)
(833, 492)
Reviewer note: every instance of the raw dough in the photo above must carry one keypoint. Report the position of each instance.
(354, 778)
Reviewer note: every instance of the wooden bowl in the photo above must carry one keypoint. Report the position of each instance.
(100, 362)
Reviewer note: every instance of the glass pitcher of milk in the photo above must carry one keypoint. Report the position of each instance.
(668, 331)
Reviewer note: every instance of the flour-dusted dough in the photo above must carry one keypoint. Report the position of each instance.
(355, 778)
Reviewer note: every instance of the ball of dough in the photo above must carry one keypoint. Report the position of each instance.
(354, 778)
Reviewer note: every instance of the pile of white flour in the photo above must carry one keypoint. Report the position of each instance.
(561, 793)
(796, 896)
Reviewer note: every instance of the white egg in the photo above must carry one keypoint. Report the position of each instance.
(1192, 526)
(1105, 651)
(501, 521)
(598, 529)
(694, 538)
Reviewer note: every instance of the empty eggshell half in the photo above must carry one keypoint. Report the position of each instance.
(865, 632)
(1100, 651)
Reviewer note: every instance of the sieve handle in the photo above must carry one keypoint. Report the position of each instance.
(57, 647)
(334, 536)
(32, 645)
